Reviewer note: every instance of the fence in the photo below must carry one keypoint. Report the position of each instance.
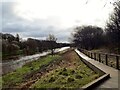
(105, 58)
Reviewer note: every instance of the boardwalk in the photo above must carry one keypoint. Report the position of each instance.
(113, 81)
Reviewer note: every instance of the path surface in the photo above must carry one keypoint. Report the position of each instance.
(113, 81)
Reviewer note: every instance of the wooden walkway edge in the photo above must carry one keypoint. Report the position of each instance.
(114, 80)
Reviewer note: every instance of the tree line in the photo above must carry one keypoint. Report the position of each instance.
(13, 45)
(92, 37)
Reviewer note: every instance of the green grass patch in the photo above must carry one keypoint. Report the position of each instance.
(0, 54)
(65, 79)
(17, 77)
(70, 72)
(72, 76)
(0, 83)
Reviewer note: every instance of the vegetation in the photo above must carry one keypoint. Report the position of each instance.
(64, 70)
(88, 37)
(93, 37)
(113, 28)
(68, 71)
(71, 72)
(17, 77)
(0, 82)
(13, 46)
(53, 39)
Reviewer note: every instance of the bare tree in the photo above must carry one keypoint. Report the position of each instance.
(88, 37)
(17, 38)
(52, 43)
(113, 27)
(31, 45)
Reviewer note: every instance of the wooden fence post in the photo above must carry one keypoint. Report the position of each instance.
(95, 56)
(91, 55)
(99, 58)
(117, 62)
(88, 53)
(106, 58)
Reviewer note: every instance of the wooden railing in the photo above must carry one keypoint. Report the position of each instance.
(112, 60)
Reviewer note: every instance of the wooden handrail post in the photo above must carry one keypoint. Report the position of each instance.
(88, 54)
(85, 52)
(117, 62)
(95, 56)
(99, 58)
(91, 55)
(106, 58)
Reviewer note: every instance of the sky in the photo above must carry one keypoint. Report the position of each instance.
(39, 18)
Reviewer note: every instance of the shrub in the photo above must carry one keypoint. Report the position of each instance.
(60, 73)
(72, 72)
(78, 76)
(52, 79)
(70, 79)
(56, 70)
(65, 73)
(64, 69)
(31, 68)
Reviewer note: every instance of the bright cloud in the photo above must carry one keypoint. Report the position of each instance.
(38, 18)
(67, 11)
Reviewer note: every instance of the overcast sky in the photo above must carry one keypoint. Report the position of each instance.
(38, 18)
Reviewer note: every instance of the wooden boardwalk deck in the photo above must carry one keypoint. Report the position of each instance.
(112, 82)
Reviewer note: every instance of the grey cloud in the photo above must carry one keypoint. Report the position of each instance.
(12, 29)
(7, 9)
(11, 23)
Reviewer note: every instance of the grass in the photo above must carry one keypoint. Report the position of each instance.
(17, 77)
(0, 54)
(67, 71)
(71, 72)
(0, 83)
(68, 80)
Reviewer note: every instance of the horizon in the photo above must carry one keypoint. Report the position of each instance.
(32, 19)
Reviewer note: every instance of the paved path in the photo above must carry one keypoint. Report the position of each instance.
(112, 82)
